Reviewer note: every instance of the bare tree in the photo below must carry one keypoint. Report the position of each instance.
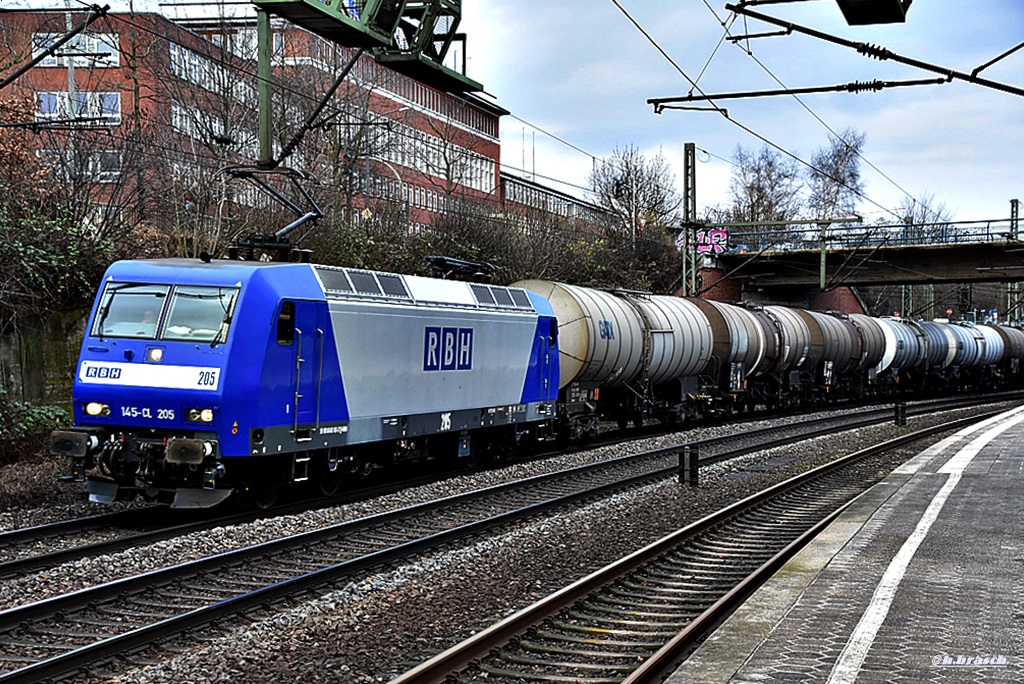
(48, 259)
(924, 216)
(765, 187)
(448, 156)
(834, 180)
(924, 219)
(639, 193)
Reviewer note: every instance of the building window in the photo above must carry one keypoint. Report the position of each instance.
(86, 107)
(91, 50)
(46, 106)
(105, 166)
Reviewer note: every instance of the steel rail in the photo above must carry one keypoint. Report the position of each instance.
(25, 536)
(457, 658)
(98, 651)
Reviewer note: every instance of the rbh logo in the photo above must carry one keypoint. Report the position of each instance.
(102, 372)
(447, 349)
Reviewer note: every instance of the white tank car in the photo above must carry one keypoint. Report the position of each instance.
(872, 338)
(615, 338)
(905, 350)
(941, 344)
(994, 347)
(795, 337)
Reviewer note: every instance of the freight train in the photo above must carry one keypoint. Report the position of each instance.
(198, 379)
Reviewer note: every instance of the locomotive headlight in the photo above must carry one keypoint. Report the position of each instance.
(95, 408)
(154, 355)
(194, 415)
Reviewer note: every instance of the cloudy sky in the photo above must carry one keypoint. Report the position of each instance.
(582, 71)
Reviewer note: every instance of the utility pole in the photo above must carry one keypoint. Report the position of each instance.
(72, 89)
(689, 242)
(1013, 290)
(264, 72)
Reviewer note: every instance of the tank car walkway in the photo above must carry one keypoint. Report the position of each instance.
(921, 579)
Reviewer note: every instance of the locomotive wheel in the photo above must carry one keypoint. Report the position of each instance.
(471, 462)
(265, 494)
(330, 482)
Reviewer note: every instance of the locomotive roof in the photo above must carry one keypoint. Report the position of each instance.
(332, 282)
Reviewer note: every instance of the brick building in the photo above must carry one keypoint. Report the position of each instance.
(146, 107)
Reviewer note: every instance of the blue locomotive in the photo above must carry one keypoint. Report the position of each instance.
(197, 379)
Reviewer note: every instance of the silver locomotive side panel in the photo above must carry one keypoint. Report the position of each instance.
(405, 359)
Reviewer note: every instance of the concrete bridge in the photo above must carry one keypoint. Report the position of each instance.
(840, 255)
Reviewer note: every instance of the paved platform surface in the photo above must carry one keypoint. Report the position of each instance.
(920, 580)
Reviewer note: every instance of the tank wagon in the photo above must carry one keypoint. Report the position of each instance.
(199, 379)
(627, 356)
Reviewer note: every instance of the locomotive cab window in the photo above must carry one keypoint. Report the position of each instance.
(130, 310)
(286, 324)
(199, 314)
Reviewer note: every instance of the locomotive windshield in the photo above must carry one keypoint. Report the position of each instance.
(193, 313)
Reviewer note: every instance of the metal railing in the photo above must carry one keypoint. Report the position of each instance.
(840, 236)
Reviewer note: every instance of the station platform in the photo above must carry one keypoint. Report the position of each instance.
(920, 579)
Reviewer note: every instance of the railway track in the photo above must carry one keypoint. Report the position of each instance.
(57, 635)
(634, 620)
(34, 549)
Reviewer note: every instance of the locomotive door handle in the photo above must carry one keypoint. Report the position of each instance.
(298, 379)
(319, 375)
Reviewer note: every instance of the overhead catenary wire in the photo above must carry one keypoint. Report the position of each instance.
(737, 123)
(803, 104)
